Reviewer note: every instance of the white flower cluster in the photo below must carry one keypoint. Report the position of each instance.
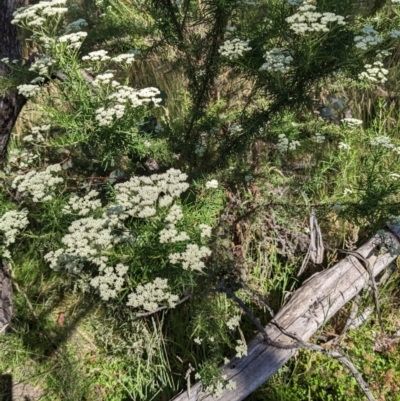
(199, 150)
(319, 138)
(241, 349)
(235, 129)
(158, 128)
(37, 80)
(136, 97)
(234, 48)
(88, 238)
(82, 205)
(385, 142)
(138, 197)
(205, 231)
(22, 158)
(37, 134)
(276, 61)
(42, 65)
(343, 146)
(233, 322)
(73, 40)
(395, 33)
(374, 73)
(127, 58)
(76, 25)
(28, 90)
(191, 257)
(352, 122)
(213, 184)
(11, 224)
(295, 2)
(248, 3)
(34, 139)
(40, 184)
(217, 388)
(110, 281)
(307, 20)
(99, 55)
(150, 295)
(369, 38)
(170, 233)
(124, 94)
(105, 117)
(43, 40)
(35, 15)
(103, 79)
(284, 144)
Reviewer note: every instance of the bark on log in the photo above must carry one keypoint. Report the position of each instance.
(10, 107)
(6, 305)
(309, 308)
(12, 103)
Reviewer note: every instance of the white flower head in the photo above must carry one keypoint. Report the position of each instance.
(213, 184)
(241, 349)
(151, 295)
(234, 49)
(276, 61)
(28, 90)
(11, 224)
(307, 20)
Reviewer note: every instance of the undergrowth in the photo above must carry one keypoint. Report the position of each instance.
(203, 179)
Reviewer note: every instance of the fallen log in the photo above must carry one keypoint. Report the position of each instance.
(308, 309)
(6, 300)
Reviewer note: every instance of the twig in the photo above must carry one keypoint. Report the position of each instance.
(17, 287)
(260, 300)
(255, 321)
(365, 262)
(301, 344)
(334, 354)
(316, 249)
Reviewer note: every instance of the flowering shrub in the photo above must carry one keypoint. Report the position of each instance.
(306, 20)
(121, 190)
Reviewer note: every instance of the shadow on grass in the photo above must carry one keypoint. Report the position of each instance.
(6, 388)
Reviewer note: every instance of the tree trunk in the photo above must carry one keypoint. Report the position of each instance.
(11, 104)
(6, 306)
(308, 309)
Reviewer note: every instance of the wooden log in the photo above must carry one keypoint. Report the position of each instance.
(6, 299)
(12, 103)
(309, 308)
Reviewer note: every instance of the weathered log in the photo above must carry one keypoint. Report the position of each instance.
(309, 308)
(12, 103)
(6, 303)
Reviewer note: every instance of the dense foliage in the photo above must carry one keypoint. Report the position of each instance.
(171, 150)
